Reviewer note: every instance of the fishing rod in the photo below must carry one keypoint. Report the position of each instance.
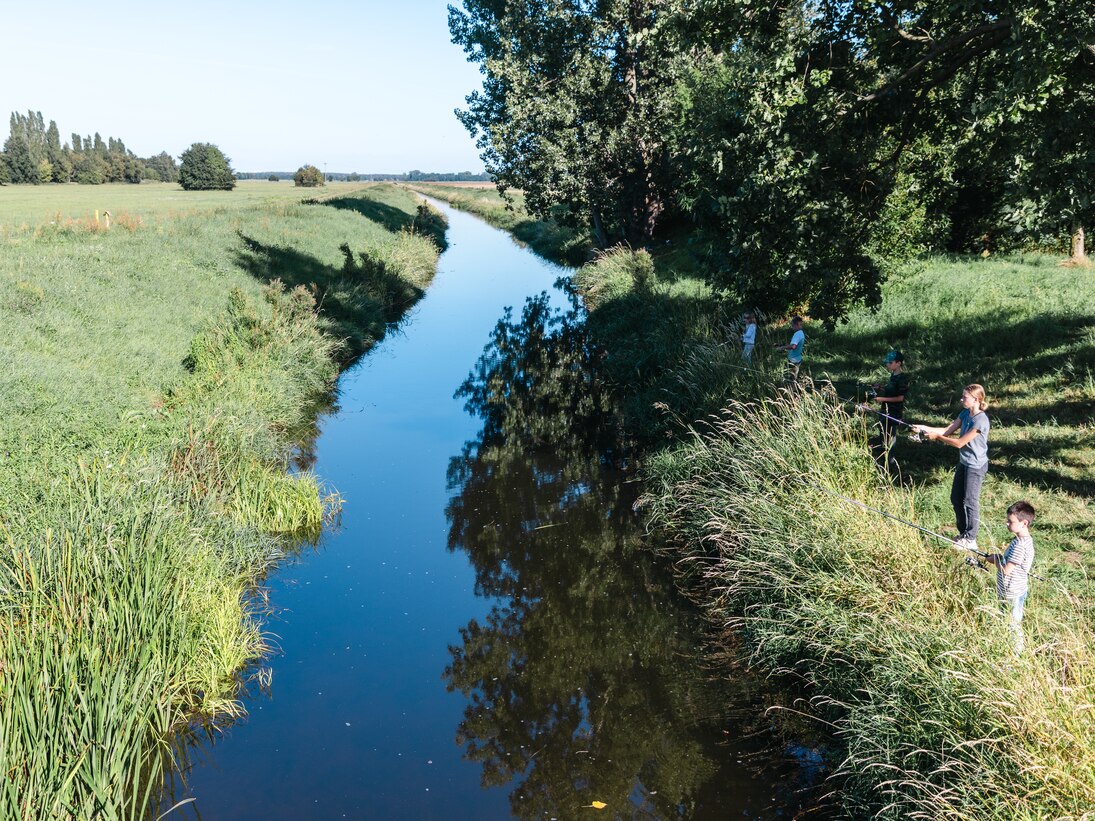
(858, 404)
(869, 409)
(954, 543)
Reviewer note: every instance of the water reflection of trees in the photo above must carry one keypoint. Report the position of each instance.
(582, 682)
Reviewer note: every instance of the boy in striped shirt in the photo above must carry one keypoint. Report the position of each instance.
(1013, 565)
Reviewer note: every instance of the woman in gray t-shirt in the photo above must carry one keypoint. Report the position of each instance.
(972, 427)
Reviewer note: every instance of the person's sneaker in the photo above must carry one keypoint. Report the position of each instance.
(965, 544)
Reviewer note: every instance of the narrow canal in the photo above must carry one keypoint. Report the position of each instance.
(483, 636)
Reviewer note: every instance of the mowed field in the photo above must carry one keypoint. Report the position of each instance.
(27, 207)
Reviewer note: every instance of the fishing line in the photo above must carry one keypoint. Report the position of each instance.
(907, 523)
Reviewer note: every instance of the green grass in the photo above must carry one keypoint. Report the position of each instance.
(156, 378)
(895, 643)
(24, 208)
(551, 239)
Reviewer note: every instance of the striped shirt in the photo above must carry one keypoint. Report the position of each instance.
(1020, 552)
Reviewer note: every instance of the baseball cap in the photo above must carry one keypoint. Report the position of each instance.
(894, 356)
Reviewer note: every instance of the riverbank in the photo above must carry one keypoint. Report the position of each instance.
(897, 647)
(158, 378)
(553, 239)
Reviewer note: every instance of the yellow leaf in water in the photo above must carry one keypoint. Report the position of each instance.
(598, 805)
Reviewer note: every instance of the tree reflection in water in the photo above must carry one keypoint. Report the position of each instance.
(583, 683)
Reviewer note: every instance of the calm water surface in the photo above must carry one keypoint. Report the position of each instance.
(482, 636)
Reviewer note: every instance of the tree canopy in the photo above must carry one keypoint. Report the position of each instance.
(805, 148)
(33, 154)
(205, 168)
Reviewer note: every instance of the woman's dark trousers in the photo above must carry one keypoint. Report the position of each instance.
(966, 499)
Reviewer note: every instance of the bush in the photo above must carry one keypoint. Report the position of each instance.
(308, 176)
(273, 178)
(206, 168)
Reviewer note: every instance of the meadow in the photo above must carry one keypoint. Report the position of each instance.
(159, 378)
(32, 207)
(895, 646)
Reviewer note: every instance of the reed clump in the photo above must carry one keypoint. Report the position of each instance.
(897, 645)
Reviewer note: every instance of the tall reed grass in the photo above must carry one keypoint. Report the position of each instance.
(898, 647)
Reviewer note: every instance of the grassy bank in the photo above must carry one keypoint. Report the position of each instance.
(897, 646)
(550, 239)
(157, 378)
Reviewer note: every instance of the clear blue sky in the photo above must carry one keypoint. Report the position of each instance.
(367, 86)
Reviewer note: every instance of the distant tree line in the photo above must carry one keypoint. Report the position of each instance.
(33, 154)
(806, 147)
(341, 176)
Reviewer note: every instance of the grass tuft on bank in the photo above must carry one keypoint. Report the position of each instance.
(159, 382)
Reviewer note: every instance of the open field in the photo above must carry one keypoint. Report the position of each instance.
(898, 646)
(156, 379)
(25, 207)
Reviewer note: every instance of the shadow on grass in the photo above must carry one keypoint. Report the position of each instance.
(553, 242)
(362, 300)
(425, 221)
(1010, 355)
(1034, 370)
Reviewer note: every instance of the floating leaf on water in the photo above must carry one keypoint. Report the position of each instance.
(598, 805)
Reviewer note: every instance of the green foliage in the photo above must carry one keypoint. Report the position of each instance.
(19, 164)
(89, 170)
(790, 140)
(550, 237)
(308, 176)
(205, 168)
(164, 166)
(897, 645)
(575, 110)
(88, 161)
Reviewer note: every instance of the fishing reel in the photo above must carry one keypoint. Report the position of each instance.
(975, 563)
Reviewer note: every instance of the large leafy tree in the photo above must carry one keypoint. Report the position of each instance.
(204, 167)
(812, 145)
(575, 106)
(163, 164)
(18, 160)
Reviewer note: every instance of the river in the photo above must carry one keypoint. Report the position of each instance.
(483, 634)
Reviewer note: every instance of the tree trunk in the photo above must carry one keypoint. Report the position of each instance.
(1079, 253)
(600, 236)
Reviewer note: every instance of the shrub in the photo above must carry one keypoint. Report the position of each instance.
(206, 168)
(308, 176)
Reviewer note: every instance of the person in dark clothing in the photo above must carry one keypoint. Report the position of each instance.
(891, 397)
